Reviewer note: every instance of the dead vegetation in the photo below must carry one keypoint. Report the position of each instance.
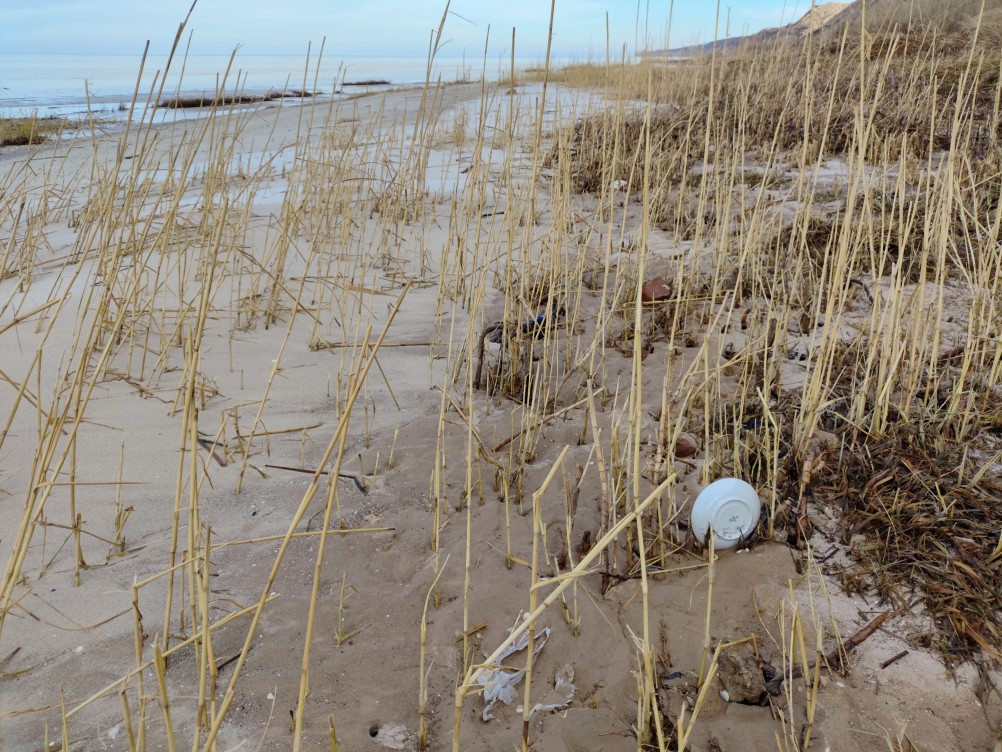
(29, 130)
(891, 147)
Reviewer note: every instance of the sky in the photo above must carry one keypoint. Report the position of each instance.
(377, 27)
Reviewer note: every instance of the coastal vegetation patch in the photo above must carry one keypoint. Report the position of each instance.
(25, 131)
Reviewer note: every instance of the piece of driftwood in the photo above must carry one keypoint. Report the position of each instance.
(837, 657)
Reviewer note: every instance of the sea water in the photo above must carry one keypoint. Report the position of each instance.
(47, 85)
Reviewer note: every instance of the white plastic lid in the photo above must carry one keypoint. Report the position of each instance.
(730, 507)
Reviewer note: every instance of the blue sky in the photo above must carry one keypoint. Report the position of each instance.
(370, 27)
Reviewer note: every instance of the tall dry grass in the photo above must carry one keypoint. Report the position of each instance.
(853, 207)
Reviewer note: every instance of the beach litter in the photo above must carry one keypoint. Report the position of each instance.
(499, 684)
(728, 507)
(492, 344)
(535, 327)
(560, 695)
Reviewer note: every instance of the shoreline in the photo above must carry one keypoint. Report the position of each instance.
(75, 129)
(112, 82)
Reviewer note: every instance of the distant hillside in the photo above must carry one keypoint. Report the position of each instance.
(954, 22)
(815, 19)
(819, 17)
(947, 15)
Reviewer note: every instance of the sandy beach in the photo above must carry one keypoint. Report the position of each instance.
(255, 494)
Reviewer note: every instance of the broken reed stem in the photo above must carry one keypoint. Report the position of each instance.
(711, 569)
(537, 533)
(207, 668)
(685, 729)
(130, 735)
(63, 726)
(422, 740)
(812, 697)
(161, 667)
(606, 495)
(331, 734)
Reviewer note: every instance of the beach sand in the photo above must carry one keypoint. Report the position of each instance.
(210, 209)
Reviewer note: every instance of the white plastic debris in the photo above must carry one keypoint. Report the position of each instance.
(499, 684)
(559, 696)
(725, 695)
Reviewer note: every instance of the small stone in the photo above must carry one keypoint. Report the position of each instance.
(656, 290)
(740, 674)
(825, 440)
(686, 446)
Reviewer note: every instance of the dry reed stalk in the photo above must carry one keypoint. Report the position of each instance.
(332, 735)
(711, 557)
(189, 441)
(138, 641)
(130, 736)
(422, 739)
(685, 730)
(161, 667)
(64, 726)
(537, 533)
(648, 700)
(467, 502)
(207, 666)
